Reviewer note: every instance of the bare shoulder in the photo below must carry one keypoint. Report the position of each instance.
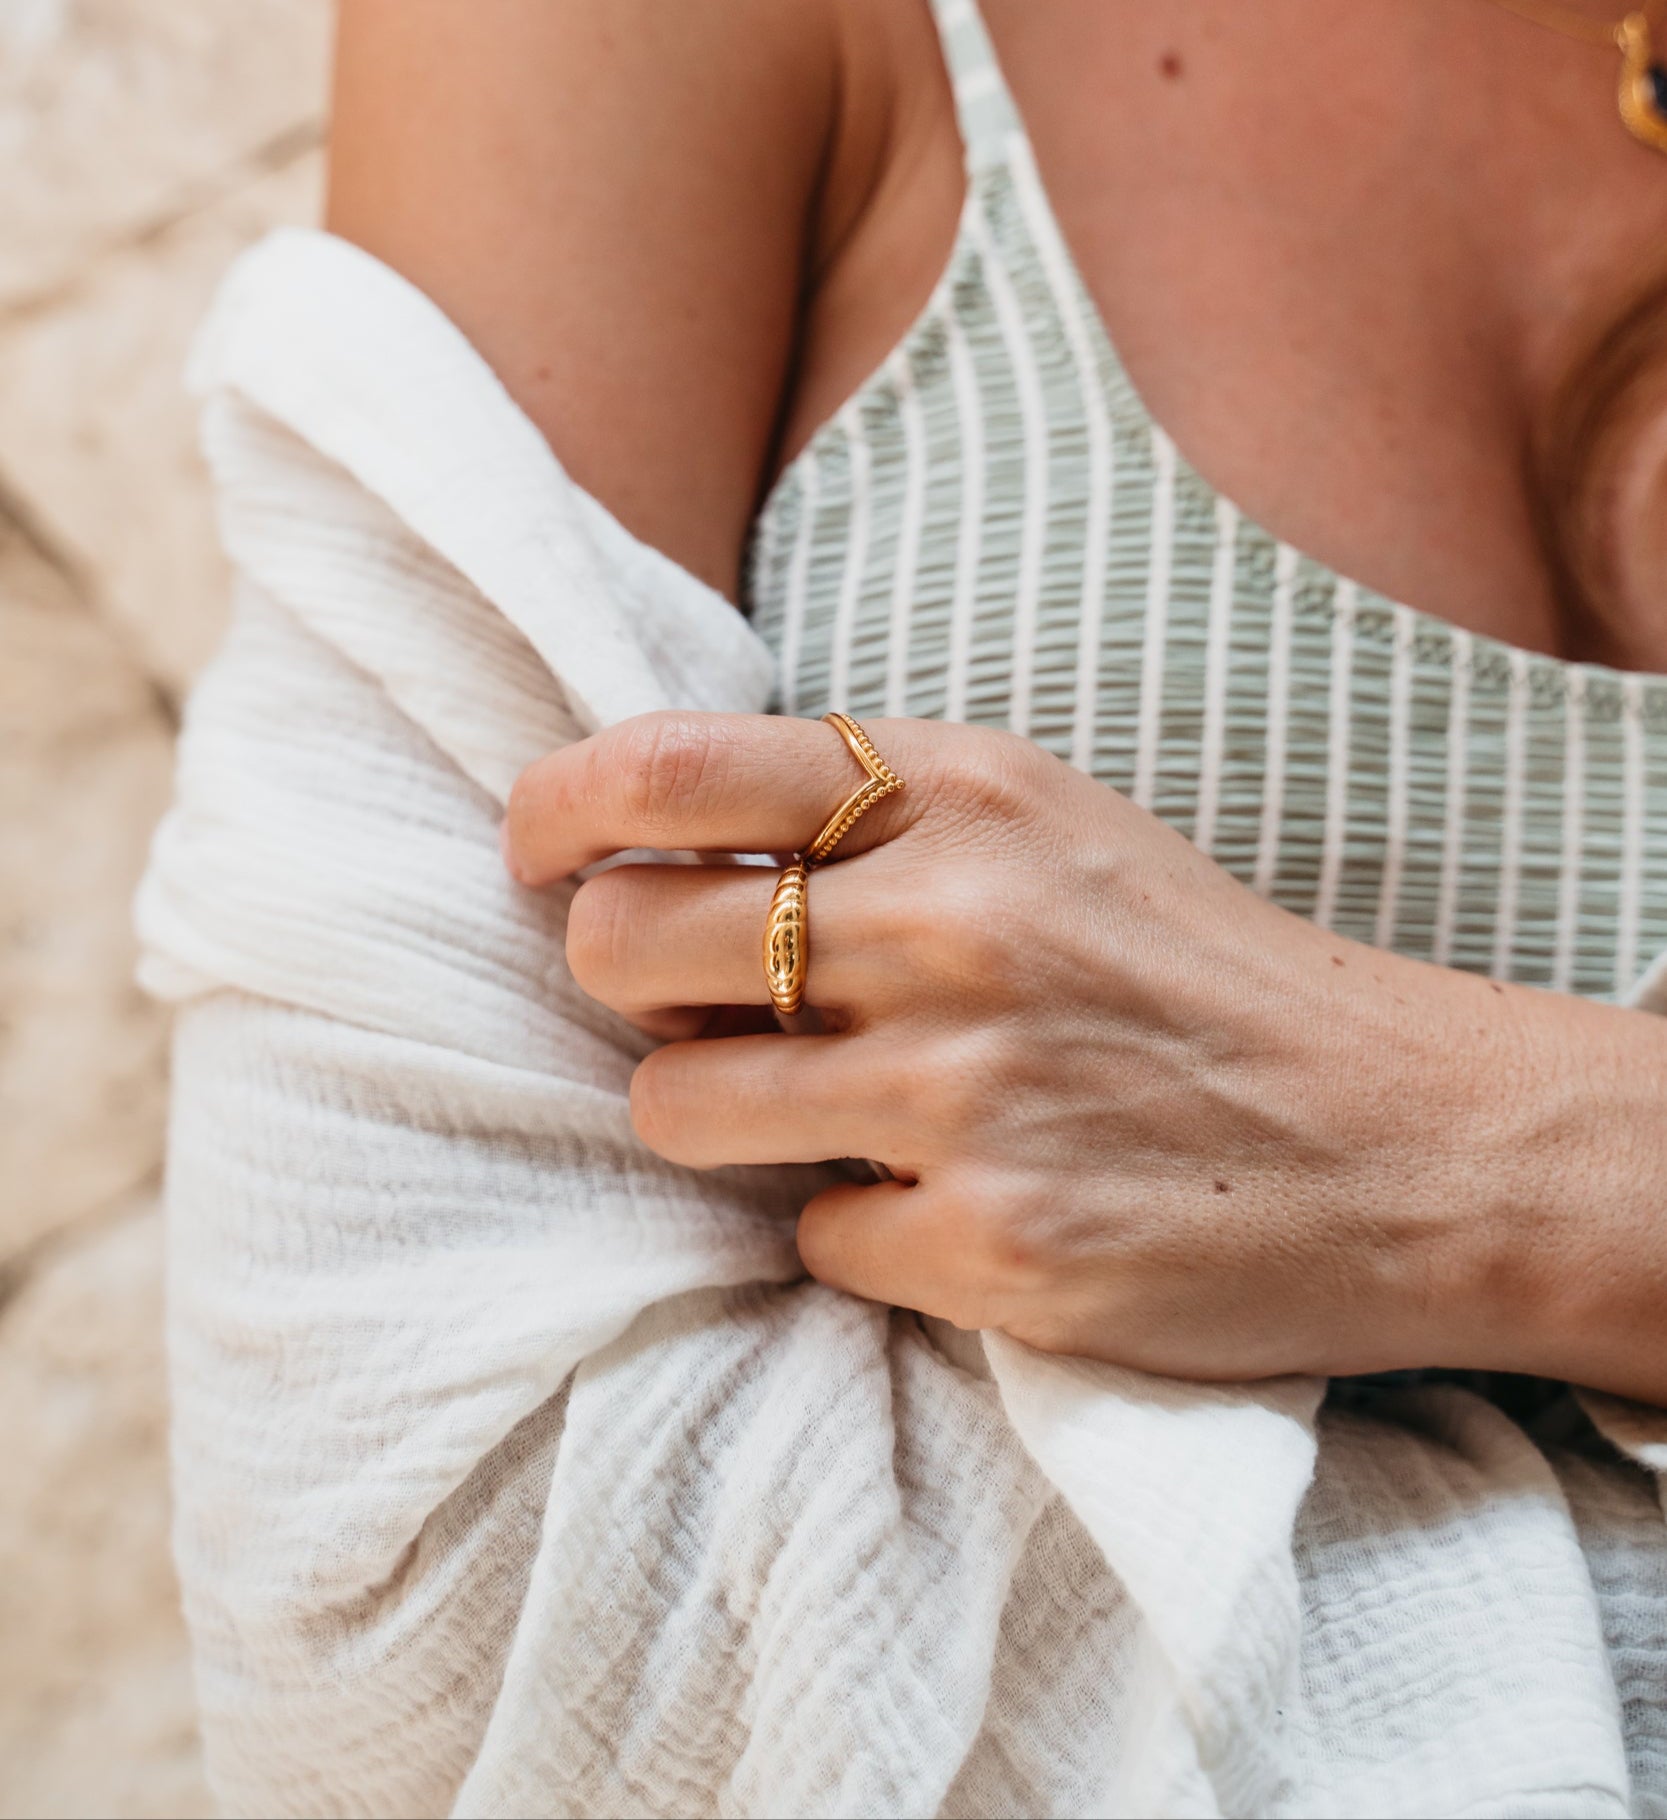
(614, 200)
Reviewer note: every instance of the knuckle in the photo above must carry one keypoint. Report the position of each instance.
(1005, 1256)
(987, 772)
(665, 762)
(973, 1298)
(957, 1085)
(955, 932)
(988, 1234)
(974, 943)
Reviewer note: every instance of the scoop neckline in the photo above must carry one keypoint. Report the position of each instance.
(976, 174)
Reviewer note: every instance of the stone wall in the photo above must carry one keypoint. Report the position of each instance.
(144, 142)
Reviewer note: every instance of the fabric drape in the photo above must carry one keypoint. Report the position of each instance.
(521, 1471)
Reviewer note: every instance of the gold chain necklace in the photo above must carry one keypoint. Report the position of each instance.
(1643, 92)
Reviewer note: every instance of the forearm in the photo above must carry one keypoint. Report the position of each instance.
(1551, 1122)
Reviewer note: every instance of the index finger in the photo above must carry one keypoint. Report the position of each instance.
(724, 783)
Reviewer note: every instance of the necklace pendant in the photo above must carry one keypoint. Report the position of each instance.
(1643, 96)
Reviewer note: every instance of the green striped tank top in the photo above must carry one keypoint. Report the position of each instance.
(993, 529)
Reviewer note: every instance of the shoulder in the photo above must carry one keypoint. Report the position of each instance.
(616, 200)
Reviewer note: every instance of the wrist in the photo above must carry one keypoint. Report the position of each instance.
(1555, 1152)
(1423, 1072)
(1465, 1234)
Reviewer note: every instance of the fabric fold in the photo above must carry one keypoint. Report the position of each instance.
(518, 1470)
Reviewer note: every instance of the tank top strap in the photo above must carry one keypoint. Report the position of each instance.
(983, 107)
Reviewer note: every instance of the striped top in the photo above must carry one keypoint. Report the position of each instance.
(993, 529)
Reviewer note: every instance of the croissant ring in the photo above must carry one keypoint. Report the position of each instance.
(786, 934)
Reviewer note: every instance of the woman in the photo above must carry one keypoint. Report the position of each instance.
(1260, 410)
(1391, 280)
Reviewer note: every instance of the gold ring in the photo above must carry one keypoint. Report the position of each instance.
(881, 781)
(786, 928)
(786, 953)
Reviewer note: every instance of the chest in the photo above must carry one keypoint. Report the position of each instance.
(1308, 255)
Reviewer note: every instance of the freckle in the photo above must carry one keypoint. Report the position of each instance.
(1170, 66)
(1338, 961)
(1496, 986)
(1221, 1186)
(541, 372)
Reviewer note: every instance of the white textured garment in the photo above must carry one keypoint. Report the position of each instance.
(521, 1472)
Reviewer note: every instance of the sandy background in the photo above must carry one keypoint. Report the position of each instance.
(143, 142)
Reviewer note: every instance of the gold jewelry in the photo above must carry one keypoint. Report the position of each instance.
(786, 928)
(1642, 99)
(880, 782)
(785, 949)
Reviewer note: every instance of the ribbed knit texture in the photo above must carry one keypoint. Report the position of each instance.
(994, 529)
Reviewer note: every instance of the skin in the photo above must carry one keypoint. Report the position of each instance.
(1137, 1111)
(1350, 256)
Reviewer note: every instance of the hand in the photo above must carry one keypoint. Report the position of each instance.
(1134, 1110)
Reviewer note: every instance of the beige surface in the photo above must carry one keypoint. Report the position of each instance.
(144, 142)
(95, 1701)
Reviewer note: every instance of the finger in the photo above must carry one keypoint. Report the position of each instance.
(682, 1023)
(900, 1243)
(644, 938)
(757, 1099)
(736, 783)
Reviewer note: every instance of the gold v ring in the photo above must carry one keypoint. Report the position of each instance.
(881, 781)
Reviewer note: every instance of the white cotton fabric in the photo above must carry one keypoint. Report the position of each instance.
(521, 1472)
